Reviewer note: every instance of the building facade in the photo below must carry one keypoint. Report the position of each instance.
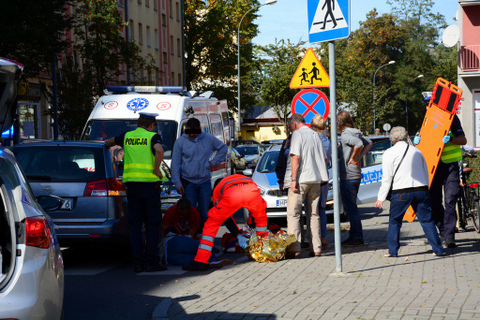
(262, 124)
(469, 68)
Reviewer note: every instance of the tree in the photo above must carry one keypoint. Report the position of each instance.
(100, 43)
(211, 28)
(32, 32)
(407, 36)
(276, 64)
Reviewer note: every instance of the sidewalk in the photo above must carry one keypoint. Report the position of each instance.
(416, 285)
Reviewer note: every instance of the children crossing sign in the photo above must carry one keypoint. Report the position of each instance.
(310, 73)
(328, 20)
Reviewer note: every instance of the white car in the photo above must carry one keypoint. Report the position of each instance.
(265, 177)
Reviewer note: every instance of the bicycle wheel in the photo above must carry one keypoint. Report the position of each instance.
(474, 213)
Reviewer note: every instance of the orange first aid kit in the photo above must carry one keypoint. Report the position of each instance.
(443, 106)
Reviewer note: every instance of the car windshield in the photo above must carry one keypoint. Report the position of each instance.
(65, 163)
(247, 150)
(375, 154)
(104, 129)
(268, 162)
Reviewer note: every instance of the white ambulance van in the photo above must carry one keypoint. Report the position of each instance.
(117, 112)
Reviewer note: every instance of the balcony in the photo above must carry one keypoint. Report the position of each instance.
(470, 58)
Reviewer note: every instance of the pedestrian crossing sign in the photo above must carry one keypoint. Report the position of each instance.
(328, 20)
(310, 73)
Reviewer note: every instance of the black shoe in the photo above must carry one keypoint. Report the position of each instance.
(196, 266)
(138, 267)
(450, 243)
(305, 245)
(154, 267)
(347, 240)
(353, 243)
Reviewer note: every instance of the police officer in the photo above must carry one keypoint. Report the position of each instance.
(232, 193)
(142, 175)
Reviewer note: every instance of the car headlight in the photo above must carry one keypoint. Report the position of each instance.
(262, 190)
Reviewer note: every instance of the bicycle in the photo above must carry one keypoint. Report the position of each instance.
(468, 204)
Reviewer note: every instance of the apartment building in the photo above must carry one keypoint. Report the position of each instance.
(469, 68)
(156, 28)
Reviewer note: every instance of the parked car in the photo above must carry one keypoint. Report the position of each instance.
(265, 177)
(83, 176)
(31, 264)
(238, 161)
(251, 152)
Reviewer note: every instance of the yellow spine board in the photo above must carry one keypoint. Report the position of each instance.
(438, 119)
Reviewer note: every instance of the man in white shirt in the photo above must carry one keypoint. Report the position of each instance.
(409, 184)
(308, 172)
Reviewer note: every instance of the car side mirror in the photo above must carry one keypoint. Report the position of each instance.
(49, 203)
(247, 172)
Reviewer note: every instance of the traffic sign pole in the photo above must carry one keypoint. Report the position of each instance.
(333, 135)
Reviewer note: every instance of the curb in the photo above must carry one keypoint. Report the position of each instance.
(161, 310)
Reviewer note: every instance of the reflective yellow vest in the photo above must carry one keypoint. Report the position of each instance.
(139, 160)
(451, 152)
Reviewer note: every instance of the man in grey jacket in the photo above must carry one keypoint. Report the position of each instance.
(191, 165)
(353, 146)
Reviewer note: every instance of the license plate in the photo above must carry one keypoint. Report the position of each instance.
(67, 204)
(282, 203)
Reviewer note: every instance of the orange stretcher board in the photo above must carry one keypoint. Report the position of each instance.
(443, 106)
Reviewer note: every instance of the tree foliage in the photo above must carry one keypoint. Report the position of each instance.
(101, 46)
(410, 38)
(276, 64)
(211, 28)
(32, 32)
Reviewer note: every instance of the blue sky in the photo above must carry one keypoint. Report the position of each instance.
(287, 19)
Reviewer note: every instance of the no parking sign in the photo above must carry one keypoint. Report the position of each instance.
(309, 103)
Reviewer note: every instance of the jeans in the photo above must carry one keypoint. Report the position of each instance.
(200, 195)
(322, 204)
(420, 201)
(181, 251)
(349, 191)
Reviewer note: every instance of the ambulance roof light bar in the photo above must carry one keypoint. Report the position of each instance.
(144, 89)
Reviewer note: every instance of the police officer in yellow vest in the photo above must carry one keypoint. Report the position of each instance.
(447, 176)
(142, 176)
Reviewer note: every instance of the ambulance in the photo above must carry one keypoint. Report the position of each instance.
(117, 112)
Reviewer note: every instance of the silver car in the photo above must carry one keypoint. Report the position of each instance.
(31, 277)
(82, 174)
(251, 153)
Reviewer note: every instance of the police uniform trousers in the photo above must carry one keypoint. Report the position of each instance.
(144, 208)
(236, 196)
(446, 176)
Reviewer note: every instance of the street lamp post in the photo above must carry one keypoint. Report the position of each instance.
(267, 2)
(406, 108)
(383, 65)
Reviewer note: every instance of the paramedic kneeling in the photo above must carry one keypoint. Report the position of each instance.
(231, 194)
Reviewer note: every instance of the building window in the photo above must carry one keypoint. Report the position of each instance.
(132, 31)
(149, 41)
(180, 80)
(177, 9)
(155, 5)
(179, 48)
(139, 1)
(121, 3)
(171, 46)
(147, 3)
(170, 8)
(149, 75)
(140, 33)
(172, 79)
(155, 33)
(165, 60)
(164, 19)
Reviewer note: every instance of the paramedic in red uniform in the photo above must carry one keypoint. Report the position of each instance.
(231, 194)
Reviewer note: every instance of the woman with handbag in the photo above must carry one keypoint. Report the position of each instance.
(408, 187)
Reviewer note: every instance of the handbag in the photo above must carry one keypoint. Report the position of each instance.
(389, 194)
